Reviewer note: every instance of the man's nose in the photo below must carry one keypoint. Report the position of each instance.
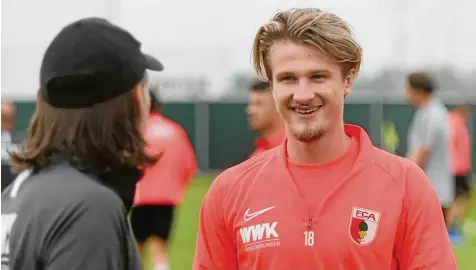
(303, 94)
(248, 110)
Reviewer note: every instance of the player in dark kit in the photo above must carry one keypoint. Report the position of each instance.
(67, 208)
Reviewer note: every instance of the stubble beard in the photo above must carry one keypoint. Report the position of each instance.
(309, 133)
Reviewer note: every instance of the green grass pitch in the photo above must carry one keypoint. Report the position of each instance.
(184, 233)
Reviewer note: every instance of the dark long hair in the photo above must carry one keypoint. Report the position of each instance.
(98, 139)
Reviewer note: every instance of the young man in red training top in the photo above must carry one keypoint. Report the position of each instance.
(460, 160)
(163, 185)
(326, 198)
(264, 118)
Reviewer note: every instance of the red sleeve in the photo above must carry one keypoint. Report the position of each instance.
(215, 249)
(422, 238)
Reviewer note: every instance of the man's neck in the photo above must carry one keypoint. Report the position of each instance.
(269, 132)
(424, 101)
(328, 147)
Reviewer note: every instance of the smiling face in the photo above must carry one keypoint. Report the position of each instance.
(311, 58)
(309, 88)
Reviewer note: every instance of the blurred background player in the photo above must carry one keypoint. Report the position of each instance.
(263, 117)
(460, 153)
(428, 137)
(11, 142)
(163, 185)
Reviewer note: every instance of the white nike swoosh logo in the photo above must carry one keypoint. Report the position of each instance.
(249, 216)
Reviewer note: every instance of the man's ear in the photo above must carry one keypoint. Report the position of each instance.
(349, 81)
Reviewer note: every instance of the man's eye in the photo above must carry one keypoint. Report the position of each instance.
(318, 77)
(287, 78)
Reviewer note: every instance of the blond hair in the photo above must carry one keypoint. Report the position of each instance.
(323, 30)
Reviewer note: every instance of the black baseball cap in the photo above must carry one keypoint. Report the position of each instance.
(92, 61)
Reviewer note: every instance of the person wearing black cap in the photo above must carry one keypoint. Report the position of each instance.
(68, 207)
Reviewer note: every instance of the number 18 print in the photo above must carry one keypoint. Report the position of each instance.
(309, 238)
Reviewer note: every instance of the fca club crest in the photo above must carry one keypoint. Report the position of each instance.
(363, 225)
